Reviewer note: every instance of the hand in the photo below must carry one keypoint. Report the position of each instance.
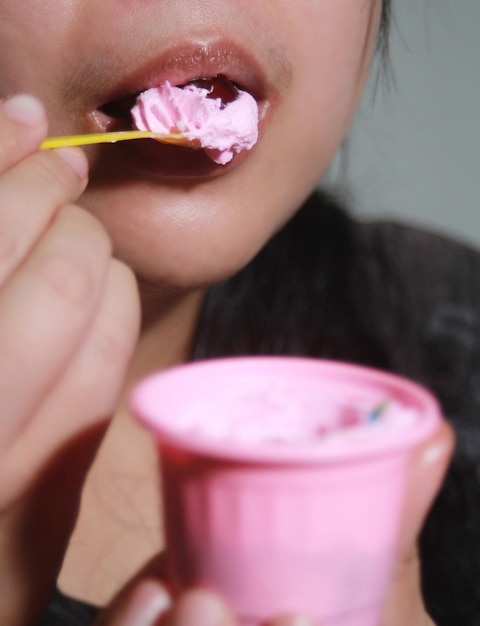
(427, 470)
(68, 324)
(146, 602)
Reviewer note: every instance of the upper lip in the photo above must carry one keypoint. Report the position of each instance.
(182, 63)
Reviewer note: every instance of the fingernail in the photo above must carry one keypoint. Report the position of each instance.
(76, 159)
(201, 609)
(150, 601)
(302, 620)
(294, 620)
(25, 110)
(433, 453)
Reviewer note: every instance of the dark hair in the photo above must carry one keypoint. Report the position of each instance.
(383, 35)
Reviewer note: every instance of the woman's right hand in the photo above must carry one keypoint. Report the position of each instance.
(69, 318)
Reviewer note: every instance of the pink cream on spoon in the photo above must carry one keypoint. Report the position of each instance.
(222, 128)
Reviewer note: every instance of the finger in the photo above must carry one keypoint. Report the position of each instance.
(23, 124)
(45, 311)
(30, 195)
(141, 604)
(60, 444)
(199, 607)
(404, 604)
(88, 389)
(298, 619)
(156, 567)
(427, 470)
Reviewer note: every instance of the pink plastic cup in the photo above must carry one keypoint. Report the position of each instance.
(274, 496)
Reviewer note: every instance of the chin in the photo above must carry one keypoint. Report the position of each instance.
(194, 231)
(182, 238)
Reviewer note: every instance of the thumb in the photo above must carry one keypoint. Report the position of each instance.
(298, 619)
(147, 603)
(429, 463)
(142, 603)
(427, 469)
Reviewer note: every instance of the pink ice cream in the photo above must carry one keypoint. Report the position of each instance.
(222, 130)
(276, 415)
(284, 481)
(238, 404)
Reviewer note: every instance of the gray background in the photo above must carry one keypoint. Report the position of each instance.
(414, 150)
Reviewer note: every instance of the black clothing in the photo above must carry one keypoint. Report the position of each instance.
(387, 296)
(64, 611)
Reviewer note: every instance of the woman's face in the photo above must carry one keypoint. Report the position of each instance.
(173, 215)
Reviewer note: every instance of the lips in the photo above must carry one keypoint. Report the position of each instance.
(117, 114)
(218, 86)
(221, 65)
(180, 65)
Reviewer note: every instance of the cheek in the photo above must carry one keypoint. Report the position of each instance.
(36, 36)
(330, 50)
(44, 17)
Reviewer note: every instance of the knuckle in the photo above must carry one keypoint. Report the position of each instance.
(69, 278)
(8, 148)
(74, 260)
(119, 328)
(112, 345)
(13, 241)
(4, 159)
(9, 246)
(86, 230)
(53, 174)
(124, 275)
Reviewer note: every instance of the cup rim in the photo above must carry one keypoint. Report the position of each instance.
(144, 403)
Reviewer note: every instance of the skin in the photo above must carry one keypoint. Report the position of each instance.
(100, 284)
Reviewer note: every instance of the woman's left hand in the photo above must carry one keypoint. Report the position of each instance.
(429, 464)
(146, 602)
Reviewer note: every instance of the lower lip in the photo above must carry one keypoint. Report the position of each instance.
(171, 162)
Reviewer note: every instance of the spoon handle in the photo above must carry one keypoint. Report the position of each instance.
(94, 138)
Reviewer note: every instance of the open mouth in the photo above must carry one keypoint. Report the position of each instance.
(116, 115)
(207, 113)
(215, 94)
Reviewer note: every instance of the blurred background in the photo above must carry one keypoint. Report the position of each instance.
(413, 154)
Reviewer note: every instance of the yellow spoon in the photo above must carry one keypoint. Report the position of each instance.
(93, 138)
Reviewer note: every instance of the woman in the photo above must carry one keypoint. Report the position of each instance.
(154, 230)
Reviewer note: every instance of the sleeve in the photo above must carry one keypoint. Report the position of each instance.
(65, 611)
